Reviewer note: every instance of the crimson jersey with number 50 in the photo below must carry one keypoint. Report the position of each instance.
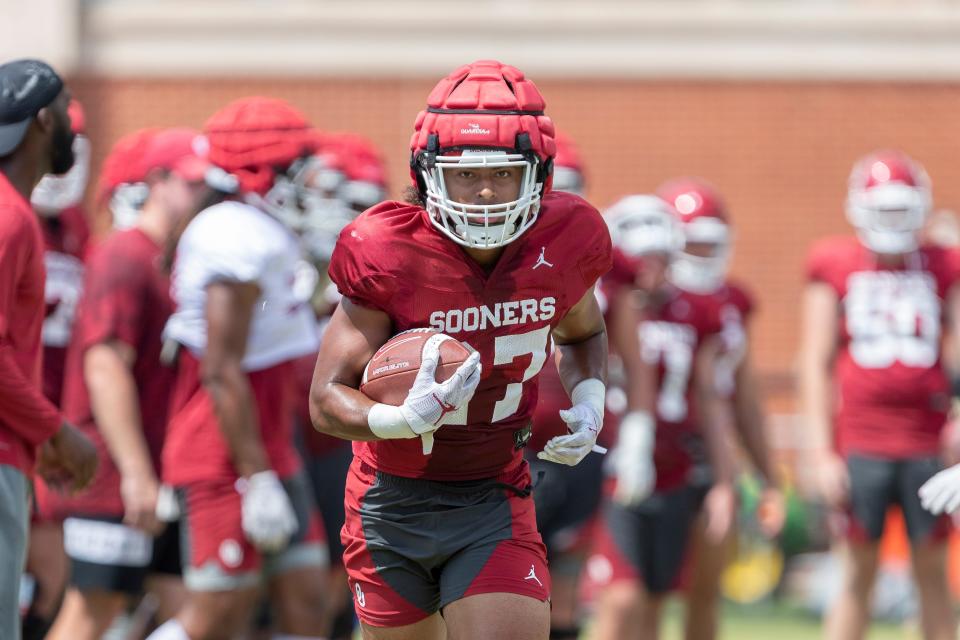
(893, 391)
(392, 259)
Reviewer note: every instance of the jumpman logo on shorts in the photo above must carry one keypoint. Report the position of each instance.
(542, 261)
(533, 576)
(444, 408)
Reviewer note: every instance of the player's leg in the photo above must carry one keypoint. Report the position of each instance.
(297, 575)
(165, 582)
(928, 537)
(873, 487)
(108, 564)
(328, 477)
(430, 628)
(49, 569)
(221, 569)
(702, 594)
(566, 498)
(498, 616)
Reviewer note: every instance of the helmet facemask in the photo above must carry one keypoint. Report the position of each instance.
(126, 202)
(889, 217)
(477, 225)
(702, 272)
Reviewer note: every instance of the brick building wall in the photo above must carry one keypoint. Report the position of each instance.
(779, 152)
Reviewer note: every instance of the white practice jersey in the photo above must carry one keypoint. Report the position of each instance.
(235, 242)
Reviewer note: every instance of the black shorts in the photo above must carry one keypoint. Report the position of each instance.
(414, 546)
(649, 541)
(566, 498)
(878, 483)
(106, 555)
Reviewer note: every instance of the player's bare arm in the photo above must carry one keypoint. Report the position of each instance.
(817, 350)
(229, 311)
(581, 339)
(337, 407)
(108, 374)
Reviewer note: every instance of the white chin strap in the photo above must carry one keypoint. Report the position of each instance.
(482, 226)
(53, 193)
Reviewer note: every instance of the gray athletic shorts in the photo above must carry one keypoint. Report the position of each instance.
(14, 529)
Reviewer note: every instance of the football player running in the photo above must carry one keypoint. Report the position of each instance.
(117, 390)
(674, 402)
(248, 512)
(445, 542)
(700, 268)
(873, 386)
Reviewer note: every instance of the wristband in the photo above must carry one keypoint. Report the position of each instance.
(387, 422)
(593, 393)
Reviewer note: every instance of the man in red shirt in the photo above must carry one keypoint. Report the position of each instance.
(35, 139)
(873, 384)
(117, 390)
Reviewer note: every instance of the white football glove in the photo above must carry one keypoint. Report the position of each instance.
(941, 493)
(584, 420)
(267, 516)
(429, 404)
(633, 459)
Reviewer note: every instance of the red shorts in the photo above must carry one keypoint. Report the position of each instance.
(414, 546)
(217, 556)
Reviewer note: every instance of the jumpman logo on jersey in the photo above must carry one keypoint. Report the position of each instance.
(542, 261)
(533, 576)
(444, 408)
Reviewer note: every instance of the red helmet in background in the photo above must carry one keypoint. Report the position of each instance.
(123, 177)
(702, 265)
(483, 115)
(888, 200)
(53, 193)
(364, 169)
(345, 176)
(568, 172)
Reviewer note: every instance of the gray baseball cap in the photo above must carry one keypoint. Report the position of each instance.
(26, 86)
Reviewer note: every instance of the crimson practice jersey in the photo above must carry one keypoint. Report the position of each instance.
(65, 239)
(736, 308)
(892, 388)
(671, 337)
(391, 258)
(127, 299)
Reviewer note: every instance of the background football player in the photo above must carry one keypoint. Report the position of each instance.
(439, 516)
(674, 401)
(873, 385)
(117, 391)
(247, 506)
(701, 268)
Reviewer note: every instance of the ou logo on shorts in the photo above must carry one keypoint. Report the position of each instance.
(231, 553)
(361, 598)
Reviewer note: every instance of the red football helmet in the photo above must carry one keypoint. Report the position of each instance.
(54, 193)
(888, 201)
(259, 147)
(567, 166)
(641, 225)
(365, 171)
(483, 115)
(702, 265)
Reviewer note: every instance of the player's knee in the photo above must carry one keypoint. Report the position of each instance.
(217, 615)
(624, 599)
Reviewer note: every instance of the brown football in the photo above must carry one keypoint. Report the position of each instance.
(393, 368)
